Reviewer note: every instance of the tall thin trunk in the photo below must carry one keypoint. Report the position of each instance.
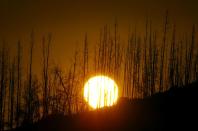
(12, 86)
(18, 106)
(29, 110)
(46, 91)
(162, 73)
(172, 61)
(2, 85)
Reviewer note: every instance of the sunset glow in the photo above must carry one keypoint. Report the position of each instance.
(100, 91)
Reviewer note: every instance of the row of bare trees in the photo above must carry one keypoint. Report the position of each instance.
(149, 63)
(159, 61)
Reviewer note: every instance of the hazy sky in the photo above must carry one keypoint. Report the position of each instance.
(68, 20)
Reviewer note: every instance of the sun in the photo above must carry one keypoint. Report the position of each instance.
(100, 91)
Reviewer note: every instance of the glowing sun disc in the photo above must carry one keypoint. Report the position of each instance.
(100, 91)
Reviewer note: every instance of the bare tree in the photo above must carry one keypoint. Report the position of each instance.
(18, 99)
(162, 57)
(46, 53)
(172, 59)
(3, 75)
(29, 118)
(11, 93)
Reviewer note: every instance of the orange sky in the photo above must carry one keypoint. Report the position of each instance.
(69, 20)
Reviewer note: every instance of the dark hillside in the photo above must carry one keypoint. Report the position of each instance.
(175, 109)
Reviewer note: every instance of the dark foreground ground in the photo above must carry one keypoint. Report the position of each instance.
(175, 109)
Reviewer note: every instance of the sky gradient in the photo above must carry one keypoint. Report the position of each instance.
(69, 20)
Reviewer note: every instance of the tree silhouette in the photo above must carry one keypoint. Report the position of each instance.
(147, 64)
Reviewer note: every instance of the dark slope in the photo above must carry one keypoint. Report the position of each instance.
(175, 109)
